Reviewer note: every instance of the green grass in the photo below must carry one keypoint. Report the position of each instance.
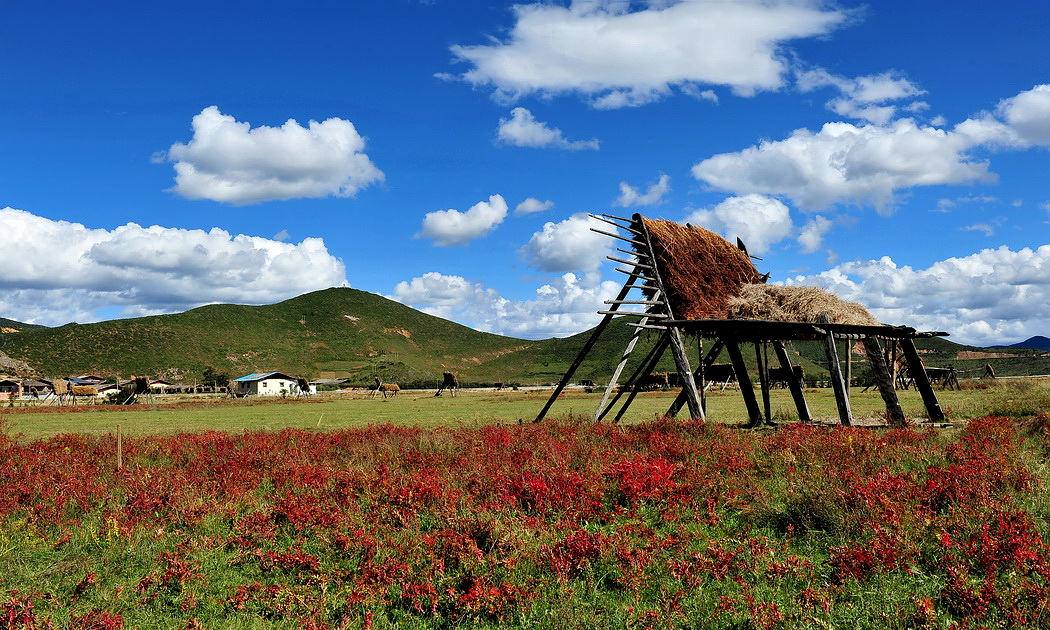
(1012, 398)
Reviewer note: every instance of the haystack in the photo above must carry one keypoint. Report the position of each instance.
(701, 270)
(796, 304)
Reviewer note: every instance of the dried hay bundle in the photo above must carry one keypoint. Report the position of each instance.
(796, 304)
(84, 390)
(60, 387)
(700, 269)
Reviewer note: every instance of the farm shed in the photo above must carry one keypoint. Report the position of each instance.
(268, 384)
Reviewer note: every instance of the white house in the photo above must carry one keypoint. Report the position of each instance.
(269, 384)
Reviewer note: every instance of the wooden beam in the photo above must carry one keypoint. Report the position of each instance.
(763, 379)
(884, 380)
(796, 388)
(712, 355)
(841, 397)
(644, 370)
(622, 238)
(747, 390)
(681, 361)
(602, 325)
(922, 381)
(619, 368)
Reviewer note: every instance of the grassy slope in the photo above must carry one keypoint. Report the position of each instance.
(314, 335)
(311, 334)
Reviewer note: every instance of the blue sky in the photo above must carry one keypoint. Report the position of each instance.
(445, 153)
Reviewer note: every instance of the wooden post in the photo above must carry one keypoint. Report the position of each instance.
(685, 373)
(849, 365)
(884, 380)
(841, 398)
(619, 368)
(602, 325)
(712, 354)
(681, 361)
(698, 376)
(763, 378)
(643, 368)
(747, 390)
(793, 384)
(922, 381)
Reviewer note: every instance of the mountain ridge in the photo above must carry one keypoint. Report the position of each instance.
(348, 333)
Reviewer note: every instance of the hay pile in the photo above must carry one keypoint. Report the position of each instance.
(796, 304)
(700, 269)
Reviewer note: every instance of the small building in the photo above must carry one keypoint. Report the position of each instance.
(161, 386)
(268, 384)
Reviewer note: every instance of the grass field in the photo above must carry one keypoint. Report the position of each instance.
(422, 512)
(1008, 397)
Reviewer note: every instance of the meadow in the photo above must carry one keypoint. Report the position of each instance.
(437, 513)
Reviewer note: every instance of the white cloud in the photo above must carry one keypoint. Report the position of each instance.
(229, 161)
(846, 163)
(56, 271)
(868, 164)
(523, 130)
(993, 296)
(533, 204)
(629, 195)
(452, 227)
(1028, 114)
(568, 246)
(759, 221)
(811, 236)
(864, 97)
(619, 57)
(564, 306)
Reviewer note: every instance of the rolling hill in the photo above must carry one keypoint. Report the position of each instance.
(344, 332)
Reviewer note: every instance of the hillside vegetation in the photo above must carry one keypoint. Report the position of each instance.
(344, 332)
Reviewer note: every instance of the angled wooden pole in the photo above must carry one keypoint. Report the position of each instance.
(884, 380)
(653, 357)
(841, 397)
(627, 286)
(685, 373)
(747, 390)
(763, 378)
(619, 368)
(712, 354)
(796, 388)
(647, 368)
(922, 381)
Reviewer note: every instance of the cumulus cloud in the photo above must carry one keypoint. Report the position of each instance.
(619, 57)
(533, 204)
(523, 130)
(568, 246)
(452, 227)
(864, 97)
(759, 221)
(56, 271)
(1028, 114)
(868, 164)
(629, 195)
(811, 236)
(229, 161)
(564, 306)
(847, 163)
(993, 296)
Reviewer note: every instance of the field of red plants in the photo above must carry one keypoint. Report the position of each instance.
(667, 524)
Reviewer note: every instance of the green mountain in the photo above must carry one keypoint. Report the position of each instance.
(10, 325)
(350, 333)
